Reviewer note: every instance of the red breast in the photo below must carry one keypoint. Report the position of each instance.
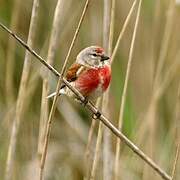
(91, 79)
(105, 74)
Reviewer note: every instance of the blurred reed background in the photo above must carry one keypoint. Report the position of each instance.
(151, 116)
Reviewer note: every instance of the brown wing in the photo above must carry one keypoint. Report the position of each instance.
(74, 71)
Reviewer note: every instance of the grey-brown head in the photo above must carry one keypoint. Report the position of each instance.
(93, 56)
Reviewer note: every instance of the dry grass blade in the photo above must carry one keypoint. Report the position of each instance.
(111, 31)
(175, 162)
(159, 86)
(173, 70)
(165, 41)
(171, 73)
(57, 94)
(123, 138)
(123, 30)
(107, 168)
(107, 149)
(124, 94)
(106, 24)
(94, 110)
(97, 151)
(22, 92)
(88, 153)
(10, 55)
(178, 136)
(50, 58)
(73, 119)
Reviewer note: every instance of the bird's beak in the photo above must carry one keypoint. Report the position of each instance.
(104, 58)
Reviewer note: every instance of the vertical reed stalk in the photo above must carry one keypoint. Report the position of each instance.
(177, 133)
(22, 92)
(97, 151)
(48, 128)
(124, 94)
(123, 31)
(106, 135)
(108, 34)
(111, 30)
(107, 155)
(53, 45)
(89, 154)
(173, 71)
(152, 114)
(10, 55)
(165, 42)
(176, 161)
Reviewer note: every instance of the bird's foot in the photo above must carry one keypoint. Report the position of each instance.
(96, 115)
(84, 102)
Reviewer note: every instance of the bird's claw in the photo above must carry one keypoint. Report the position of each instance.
(84, 102)
(96, 115)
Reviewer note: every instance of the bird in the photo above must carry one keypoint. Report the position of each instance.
(90, 74)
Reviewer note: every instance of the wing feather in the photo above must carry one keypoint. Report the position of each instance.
(74, 71)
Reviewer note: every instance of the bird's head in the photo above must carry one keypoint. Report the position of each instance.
(93, 56)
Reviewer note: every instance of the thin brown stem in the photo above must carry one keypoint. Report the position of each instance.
(48, 129)
(177, 138)
(165, 42)
(124, 94)
(94, 110)
(88, 153)
(123, 31)
(10, 55)
(175, 161)
(106, 134)
(158, 87)
(97, 151)
(173, 70)
(107, 149)
(73, 120)
(111, 30)
(53, 44)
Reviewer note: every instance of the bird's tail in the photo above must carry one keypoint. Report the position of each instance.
(51, 95)
(62, 91)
